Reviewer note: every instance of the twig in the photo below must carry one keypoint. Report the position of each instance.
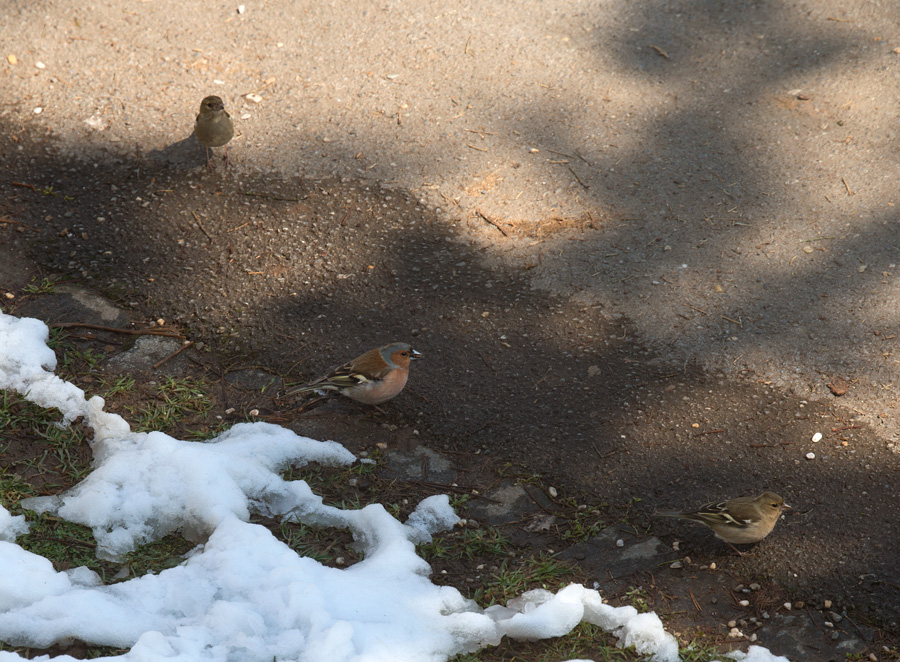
(492, 222)
(482, 133)
(660, 51)
(694, 600)
(173, 354)
(31, 186)
(112, 329)
(200, 223)
(732, 321)
(542, 378)
(480, 149)
(699, 310)
(846, 427)
(577, 178)
(847, 186)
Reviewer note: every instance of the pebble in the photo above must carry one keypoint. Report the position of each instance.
(40, 65)
(620, 543)
(755, 587)
(827, 604)
(676, 565)
(712, 566)
(552, 491)
(734, 633)
(787, 606)
(732, 624)
(817, 437)
(810, 456)
(744, 603)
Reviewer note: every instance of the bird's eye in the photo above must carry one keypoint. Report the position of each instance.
(404, 353)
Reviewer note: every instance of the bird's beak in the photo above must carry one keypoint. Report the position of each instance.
(415, 355)
(784, 506)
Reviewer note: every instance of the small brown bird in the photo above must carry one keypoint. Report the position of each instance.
(739, 521)
(213, 127)
(372, 378)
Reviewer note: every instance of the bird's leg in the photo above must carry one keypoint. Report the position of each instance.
(740, 553)
(226, 157)
(209, 163)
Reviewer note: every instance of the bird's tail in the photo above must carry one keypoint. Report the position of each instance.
(668, 513)
(306, 388)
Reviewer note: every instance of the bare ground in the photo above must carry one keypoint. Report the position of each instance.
(635, 243)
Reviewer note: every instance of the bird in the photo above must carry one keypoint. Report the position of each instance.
(740, 521)
(371, 378)
(213, 127)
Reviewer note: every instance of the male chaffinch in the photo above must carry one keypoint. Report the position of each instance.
(372, 378)
(740, 521)
(213, 127)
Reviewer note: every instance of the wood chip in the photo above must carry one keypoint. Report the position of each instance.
(839, 386)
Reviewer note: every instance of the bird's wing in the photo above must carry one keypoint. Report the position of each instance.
(718, 512)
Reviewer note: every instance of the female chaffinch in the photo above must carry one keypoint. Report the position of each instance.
(372, 378)
(213, 127)
(739, 521)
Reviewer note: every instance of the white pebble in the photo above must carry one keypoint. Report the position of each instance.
(40, 65)
(552, 491)
(788, 606)
(810, 456)
(240, 9)
(817, 437)
(744, 603)
(620, 543)
(38, 110)
(712, 566)
(676, 565)
(827, 604)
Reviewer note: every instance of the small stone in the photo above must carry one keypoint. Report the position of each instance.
(254, 97)
(835, 635)
(676, 565)
(10, 295)
(837, 618)
(712, 566)
(744, 603)
(810, 456)
(339, 560)
(734, 633)
(40, 65)
(254, 412)
(38, 110)
(732, 624)
(765, 615)
(552, 492)
(753, 637)
(755, 587)
(817, 437)
(240, 9)
(12, 59)
(828, 624)
(799, 604)
(620, 543)
(788, 606)
(827, 604)
(687, 560)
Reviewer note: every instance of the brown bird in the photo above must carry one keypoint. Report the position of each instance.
(740, 521)
(213, 127)
(372, 378)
